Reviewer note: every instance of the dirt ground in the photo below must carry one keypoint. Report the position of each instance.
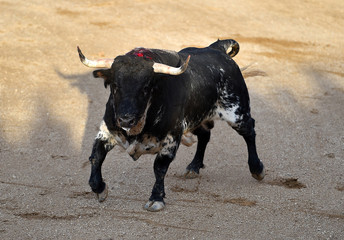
(51, 107)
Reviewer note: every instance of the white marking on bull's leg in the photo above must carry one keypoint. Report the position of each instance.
(105, 135)
(169, 145)
(229, 115)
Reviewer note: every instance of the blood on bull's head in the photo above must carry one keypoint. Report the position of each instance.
(131, 80)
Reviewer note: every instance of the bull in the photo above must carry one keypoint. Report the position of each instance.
(158, 98)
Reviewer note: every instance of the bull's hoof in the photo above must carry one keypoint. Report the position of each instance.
(154, 206)
(191, 174)
(259, 176)
(103, 195)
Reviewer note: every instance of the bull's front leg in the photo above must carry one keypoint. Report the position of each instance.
(161, 164)
(103, 143)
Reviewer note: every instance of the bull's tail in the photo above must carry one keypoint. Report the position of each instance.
(229, 46)
(252, 73)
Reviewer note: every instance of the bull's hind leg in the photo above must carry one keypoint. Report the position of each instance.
(246, 129)
(203, 137)
(103, 143)
(243, 123)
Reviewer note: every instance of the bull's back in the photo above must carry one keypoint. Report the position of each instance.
(210, 72)
(202, 86)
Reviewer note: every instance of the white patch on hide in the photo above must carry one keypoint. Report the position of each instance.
(229, 115)
(105, 135)
(168, 146)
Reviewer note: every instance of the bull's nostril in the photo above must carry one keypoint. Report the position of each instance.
(131, 122)
(126, 121)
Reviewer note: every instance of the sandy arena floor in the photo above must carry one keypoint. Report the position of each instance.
(51, 107)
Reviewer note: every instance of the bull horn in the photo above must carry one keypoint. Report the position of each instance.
(162, 68)
(100, 63)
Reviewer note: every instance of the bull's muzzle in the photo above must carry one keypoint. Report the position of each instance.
(127, 121)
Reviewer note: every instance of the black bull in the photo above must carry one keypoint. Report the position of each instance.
(158, 97)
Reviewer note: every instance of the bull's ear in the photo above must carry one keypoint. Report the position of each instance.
(105, 74)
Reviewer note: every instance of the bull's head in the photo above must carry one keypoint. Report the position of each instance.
(131, 81)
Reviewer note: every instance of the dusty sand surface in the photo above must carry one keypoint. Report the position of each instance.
(51, 107)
